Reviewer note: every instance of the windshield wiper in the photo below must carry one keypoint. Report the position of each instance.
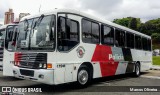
(35, 25)
(38, 21)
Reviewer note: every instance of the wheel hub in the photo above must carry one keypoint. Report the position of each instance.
(83, 77)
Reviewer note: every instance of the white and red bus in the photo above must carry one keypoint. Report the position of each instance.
(67, 45)
(7, 33)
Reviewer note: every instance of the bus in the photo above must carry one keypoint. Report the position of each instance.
(66, 45)
(6, 35)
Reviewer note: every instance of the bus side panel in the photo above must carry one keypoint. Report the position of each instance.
(112, 61)
(144, 57)
(102, 54)
(121, 69)
(7, 63)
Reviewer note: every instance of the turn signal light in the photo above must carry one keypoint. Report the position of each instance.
(49, 65)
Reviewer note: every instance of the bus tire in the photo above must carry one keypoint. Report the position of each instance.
(83, 77)
(137, 70)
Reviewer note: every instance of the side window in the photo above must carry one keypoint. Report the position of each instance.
(132, 40)
(107, 35)
(95, 33)
(15, 33)
(86, 29)
(9, 35)
(129, 40)
(120, 38)
(10, 32)
(138, 42)
(123, 38)
(149, 44)
(68, 34)
(144, 43)
(90, 32)
(74, 36)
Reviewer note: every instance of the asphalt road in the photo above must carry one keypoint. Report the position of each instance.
(98, 87)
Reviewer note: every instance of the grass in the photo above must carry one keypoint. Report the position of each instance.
(156, 60)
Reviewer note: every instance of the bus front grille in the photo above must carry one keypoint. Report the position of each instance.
(31, 60)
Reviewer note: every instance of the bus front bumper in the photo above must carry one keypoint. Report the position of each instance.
(45, 76)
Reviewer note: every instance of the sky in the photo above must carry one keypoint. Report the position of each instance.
(106, 9)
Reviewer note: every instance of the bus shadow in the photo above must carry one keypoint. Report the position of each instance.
(9, 78)
(72, 87)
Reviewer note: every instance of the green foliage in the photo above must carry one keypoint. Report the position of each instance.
(123, 21)
(151, 27)
(133, 24)
(156, 60)
(154, 21)
(156, 36)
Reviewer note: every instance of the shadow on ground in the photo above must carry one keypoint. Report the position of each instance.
(7, 79)
(72, 87)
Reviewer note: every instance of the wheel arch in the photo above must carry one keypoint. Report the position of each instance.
(89, 66)
(139, 63)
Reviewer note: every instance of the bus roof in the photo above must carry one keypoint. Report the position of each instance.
(73, 11)
(4, 26)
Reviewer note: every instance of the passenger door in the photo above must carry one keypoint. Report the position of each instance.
(9, 51)
(67, 44)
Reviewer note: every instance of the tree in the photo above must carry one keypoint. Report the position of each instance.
(130, 22)
(151, 27)
(133, 24)
(123, 21)
(156, 37)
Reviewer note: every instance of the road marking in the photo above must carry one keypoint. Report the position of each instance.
(152, 77)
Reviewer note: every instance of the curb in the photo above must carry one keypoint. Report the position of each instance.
(151, 77)
(155, 67)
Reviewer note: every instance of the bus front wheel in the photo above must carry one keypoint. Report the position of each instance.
(83, 76)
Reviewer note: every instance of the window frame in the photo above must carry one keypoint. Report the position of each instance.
(102, 34)
(131, 34)
(120, 30)
(92, 21)
(149, 44)
(6, 37)
(138, 48)
(78, 30)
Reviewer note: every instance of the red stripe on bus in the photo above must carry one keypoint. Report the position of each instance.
(108, 68)
(17, 57)
(107, 65)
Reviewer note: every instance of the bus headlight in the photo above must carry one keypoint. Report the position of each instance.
(40, 65)
(44, 65)
(16, 63)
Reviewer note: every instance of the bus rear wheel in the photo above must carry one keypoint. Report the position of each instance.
(83, 77)
(137, 70)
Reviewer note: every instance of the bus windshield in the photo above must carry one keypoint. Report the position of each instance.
(39, 35)
(2, 36)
